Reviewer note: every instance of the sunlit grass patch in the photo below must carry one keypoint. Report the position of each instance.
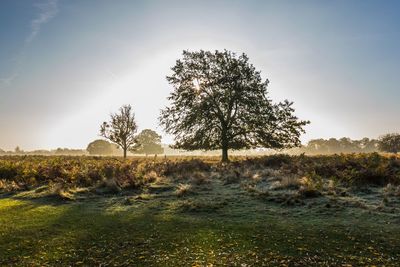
(44, 233)
(201, 205)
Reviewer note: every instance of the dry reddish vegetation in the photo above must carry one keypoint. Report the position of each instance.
(25, 172)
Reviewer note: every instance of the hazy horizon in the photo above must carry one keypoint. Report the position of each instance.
(66, 65)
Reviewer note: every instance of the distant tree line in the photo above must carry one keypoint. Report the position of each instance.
(145, 143)
(342, 145)
(44, 152)
(121, 131)
(150, 143)
(102, 147)
(389, 143)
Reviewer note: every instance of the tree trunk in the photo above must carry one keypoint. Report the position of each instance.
(225, 157)
(125, 153)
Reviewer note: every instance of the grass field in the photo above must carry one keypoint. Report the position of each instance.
(203, 219)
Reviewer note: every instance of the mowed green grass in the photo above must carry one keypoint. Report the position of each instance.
(104, 231)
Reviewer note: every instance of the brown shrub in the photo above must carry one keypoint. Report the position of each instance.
(200, 178)
(289, 182)
(151, 177)
(183, 190)
(391, 190)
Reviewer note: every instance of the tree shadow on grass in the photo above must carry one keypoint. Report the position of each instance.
(95, 232)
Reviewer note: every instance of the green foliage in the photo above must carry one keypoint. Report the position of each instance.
(390, 143)
(221, 102)
(197, 230)
(101, 147)
(148, 142)
(343, 145)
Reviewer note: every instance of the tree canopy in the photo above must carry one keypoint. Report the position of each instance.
(148, 142)
(220, 101)
(390, 143)
(342, 145)
(121, 128)
(101, 147)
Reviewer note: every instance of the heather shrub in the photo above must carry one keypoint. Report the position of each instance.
(185, 167)
(183, 190)
(23, 172)
(311, 185)
(273, 161)
(392, 190)
(289, 182)
(8, 170)
(151, 177)
(200, 178)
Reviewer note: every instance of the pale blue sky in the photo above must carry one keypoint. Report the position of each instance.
(65, 65)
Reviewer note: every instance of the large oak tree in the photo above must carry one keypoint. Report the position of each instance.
(220, 102)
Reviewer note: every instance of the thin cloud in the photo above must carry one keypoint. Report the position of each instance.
(48, 10)
(9, 79)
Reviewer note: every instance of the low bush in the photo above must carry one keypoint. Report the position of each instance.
(183, 190)
(200, 178)
(185, 167)
(289, 182)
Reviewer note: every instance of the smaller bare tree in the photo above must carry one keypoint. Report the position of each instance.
(121, 129)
